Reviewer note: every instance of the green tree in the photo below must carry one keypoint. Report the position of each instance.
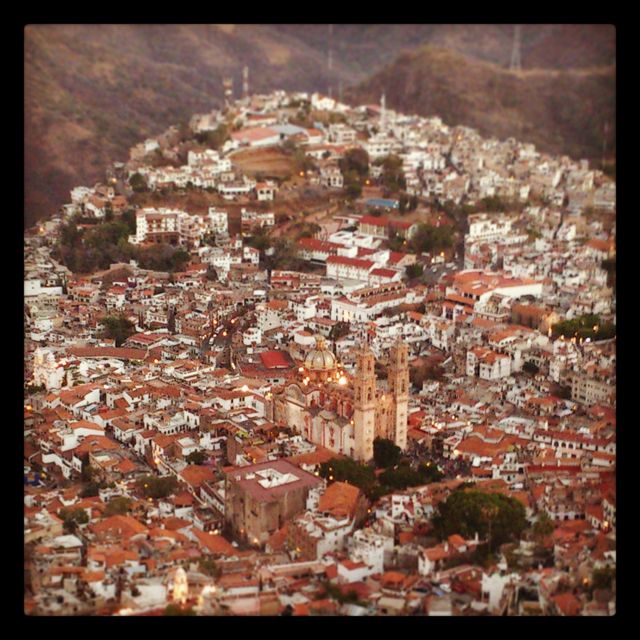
(392, 173)
(431, 238)
(339, 330)
(429, 472)
(353, 190)
(179, 259)
(355, 160)
(129, 218)
(530, 367)
(401, 477)
(118, 328)
(196, 457)
(88, 472)
(70, 235)
(543, 526)
(118, 506)
(259, 239)
(414, 270)
(90, 490)
(348, 470)
(386, 453)
(493, 204)
(138, 183)
(214, 139)
(153, 487)
(72, 518)
(467, 512)
(585, 326)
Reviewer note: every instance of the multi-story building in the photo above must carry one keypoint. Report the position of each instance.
(260, 498)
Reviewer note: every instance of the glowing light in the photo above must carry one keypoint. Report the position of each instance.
(302, 174)
(244, 387)
(300, 369)
(342, 380)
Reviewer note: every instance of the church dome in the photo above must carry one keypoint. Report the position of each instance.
(320, 358)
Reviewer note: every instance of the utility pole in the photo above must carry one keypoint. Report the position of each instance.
(516, 61)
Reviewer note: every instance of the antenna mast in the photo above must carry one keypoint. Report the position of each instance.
(516, 61)
(330, 59)
(227, 84)
(245, 82)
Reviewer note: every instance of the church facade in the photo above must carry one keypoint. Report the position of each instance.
(342, 413)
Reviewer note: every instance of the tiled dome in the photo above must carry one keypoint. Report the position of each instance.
(321, 358)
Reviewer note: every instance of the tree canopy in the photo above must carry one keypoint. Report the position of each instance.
(469, 511)
(386, 453)
(214, 139)
(356, 160)
(118, 328)
(85, 250)
(392, 174)
(138, 183)
(153, 487)
(196, 457)
(73, 517)
(543, 526)
(585, 326)
(119, 505)
(428, 238)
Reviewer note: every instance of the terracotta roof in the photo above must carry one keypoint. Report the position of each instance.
(275, 359)
(196, 475)
(340, 500)
(126, 526)
(567, 604)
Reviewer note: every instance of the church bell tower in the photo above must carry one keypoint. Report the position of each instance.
(398, 383)
(364, 404)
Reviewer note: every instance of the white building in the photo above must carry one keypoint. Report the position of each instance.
(219, 221)
(367, 546)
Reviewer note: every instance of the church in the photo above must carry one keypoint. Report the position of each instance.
(346, 413)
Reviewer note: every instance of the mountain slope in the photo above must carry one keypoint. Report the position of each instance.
(561, 111)
(92, 91)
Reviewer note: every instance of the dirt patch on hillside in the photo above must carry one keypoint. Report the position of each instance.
(267, 162)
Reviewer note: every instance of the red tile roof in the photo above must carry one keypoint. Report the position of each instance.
(275, 359)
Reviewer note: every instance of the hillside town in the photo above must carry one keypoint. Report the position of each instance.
(304, 358)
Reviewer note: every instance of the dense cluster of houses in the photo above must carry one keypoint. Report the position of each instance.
(250, 527)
